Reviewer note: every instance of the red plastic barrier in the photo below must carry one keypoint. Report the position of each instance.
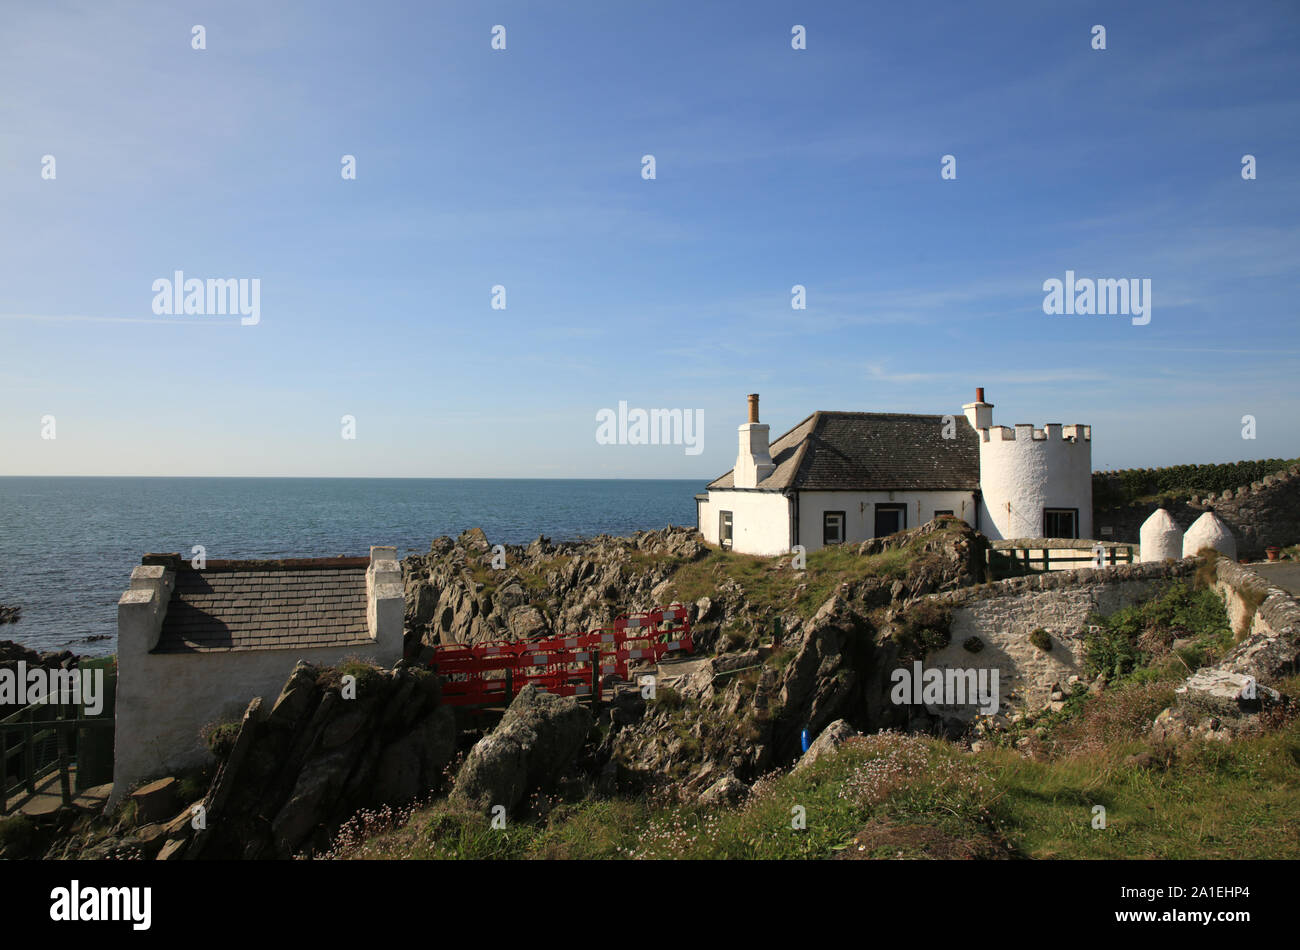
(490, 673)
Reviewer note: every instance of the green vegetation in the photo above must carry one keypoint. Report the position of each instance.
(1041, 639)
(920, 629)
(220, 737)
(367, 675)
(1137, 641)
(667, 698)
(1178, 482)
(891, 795)
(772, 586)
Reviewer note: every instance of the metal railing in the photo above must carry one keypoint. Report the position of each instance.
(44, 738)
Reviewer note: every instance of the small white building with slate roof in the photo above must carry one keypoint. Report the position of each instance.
(196, 646)
(844, 477)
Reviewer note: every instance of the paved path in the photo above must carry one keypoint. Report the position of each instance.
(1284, 574)
(49, 798)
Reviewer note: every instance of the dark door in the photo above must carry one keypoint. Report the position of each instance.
(889, 519)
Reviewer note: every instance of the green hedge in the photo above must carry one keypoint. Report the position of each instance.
(1179, 481)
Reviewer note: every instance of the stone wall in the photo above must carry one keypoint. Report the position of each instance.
(1004, 614)
(1225, 700)
(1254, 606)
(1263, 514)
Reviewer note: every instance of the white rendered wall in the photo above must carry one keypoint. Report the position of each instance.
(760, 521)
(165, 699)
(860, 511)
(1025, 470)
(1160, 537)
(754, 461)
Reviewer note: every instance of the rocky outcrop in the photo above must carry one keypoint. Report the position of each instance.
(9, 614)
(536, 740)
(458, 593)
(831, 738)
(742, 713)
(297, 771)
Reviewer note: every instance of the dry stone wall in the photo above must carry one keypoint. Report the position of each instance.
(1004, 616)
(1262, 514)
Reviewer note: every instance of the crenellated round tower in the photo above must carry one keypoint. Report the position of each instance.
(1034, 483)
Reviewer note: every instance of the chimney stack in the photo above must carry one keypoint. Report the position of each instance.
(754, 462)
(979, 412)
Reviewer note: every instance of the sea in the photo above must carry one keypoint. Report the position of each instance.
(67, 545)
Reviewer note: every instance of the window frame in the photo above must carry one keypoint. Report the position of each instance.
(727, 521)
(900, 507)
(1072, 512)
(844, 522)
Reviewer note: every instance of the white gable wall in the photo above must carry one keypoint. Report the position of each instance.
(760, 520)
(860, 511)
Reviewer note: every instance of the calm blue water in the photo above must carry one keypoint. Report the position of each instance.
(67, 545)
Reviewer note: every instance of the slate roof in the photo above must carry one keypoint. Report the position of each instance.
(261, 607)
(871, 451)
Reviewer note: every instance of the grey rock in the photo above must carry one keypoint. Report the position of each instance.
(538, 737)
(726, 791)
(830, 739)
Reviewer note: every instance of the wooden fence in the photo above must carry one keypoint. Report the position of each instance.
(1020, 560)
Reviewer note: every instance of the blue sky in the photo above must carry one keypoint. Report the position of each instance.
(522, 167)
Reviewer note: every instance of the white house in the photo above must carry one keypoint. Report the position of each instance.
(840, 477)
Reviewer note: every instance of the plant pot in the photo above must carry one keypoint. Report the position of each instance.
(1273, 553)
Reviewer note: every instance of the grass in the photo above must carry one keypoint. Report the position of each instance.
(771, 586)
(1216, 800)
(922, 796)
(813, 813)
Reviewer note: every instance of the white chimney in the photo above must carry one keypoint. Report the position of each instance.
(979, 412)
(754, 463)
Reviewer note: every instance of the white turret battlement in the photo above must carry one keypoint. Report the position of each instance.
(1025, 432)
(1033, 482)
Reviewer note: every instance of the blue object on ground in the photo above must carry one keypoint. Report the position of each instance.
(806, 741)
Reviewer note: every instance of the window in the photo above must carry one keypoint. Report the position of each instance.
(1060, 522)
(724, 528)
(833, 527)
(890, 519)
(940, 514)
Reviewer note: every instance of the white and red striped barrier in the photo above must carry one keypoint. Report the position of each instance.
(568, 665)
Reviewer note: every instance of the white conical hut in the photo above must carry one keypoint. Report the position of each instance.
(1160, 537)
(1209, 531)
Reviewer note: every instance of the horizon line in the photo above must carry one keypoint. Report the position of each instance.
(502, 478)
